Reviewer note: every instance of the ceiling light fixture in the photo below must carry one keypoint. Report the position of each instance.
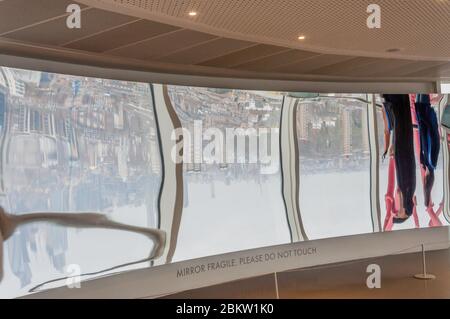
(301, 37)
(192, 14)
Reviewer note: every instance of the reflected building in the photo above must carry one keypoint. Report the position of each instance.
(304, 121)
(347, 146)
(332, 132)
(73, 144)
(365, 128)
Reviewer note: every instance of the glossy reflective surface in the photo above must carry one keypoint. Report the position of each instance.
(75, 144)
(334, 159)
(236, 205)
(424, 217)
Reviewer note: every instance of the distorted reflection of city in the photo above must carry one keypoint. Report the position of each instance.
(236, 205)
(333, 138)
(77, 144)
(74, 144)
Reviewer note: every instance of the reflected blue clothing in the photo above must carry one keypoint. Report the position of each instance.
(429, 141)
(429, 132)
(389, 119)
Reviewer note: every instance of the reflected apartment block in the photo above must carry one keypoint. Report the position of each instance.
(347, 146)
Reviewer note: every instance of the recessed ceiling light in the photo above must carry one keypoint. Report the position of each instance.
(192, 14)
(301, 37)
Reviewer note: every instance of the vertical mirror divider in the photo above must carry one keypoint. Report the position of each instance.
(290, 168)
(170, 201)
(372, 127)
(445, 101)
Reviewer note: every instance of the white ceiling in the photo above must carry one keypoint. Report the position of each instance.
(419, 28)
(238, 38)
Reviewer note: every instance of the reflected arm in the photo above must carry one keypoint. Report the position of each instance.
(8, 224)
(93, 220)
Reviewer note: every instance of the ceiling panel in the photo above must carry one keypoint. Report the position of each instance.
(55, 32)
(330, 26)
(206, 51)
(313, 63)
(379, 64)
(163, 45)
(446, 72)
(276, 60)
(124, 35)
(343, 67)
(415, 67)
(382, 67)
(436, 71)
(133, 38)
(245, 56)
(389, 67)
(20, 13)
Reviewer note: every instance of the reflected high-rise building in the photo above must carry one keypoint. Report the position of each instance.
(303, 121)
(365, 137)
(347, 146)
(73, 144)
